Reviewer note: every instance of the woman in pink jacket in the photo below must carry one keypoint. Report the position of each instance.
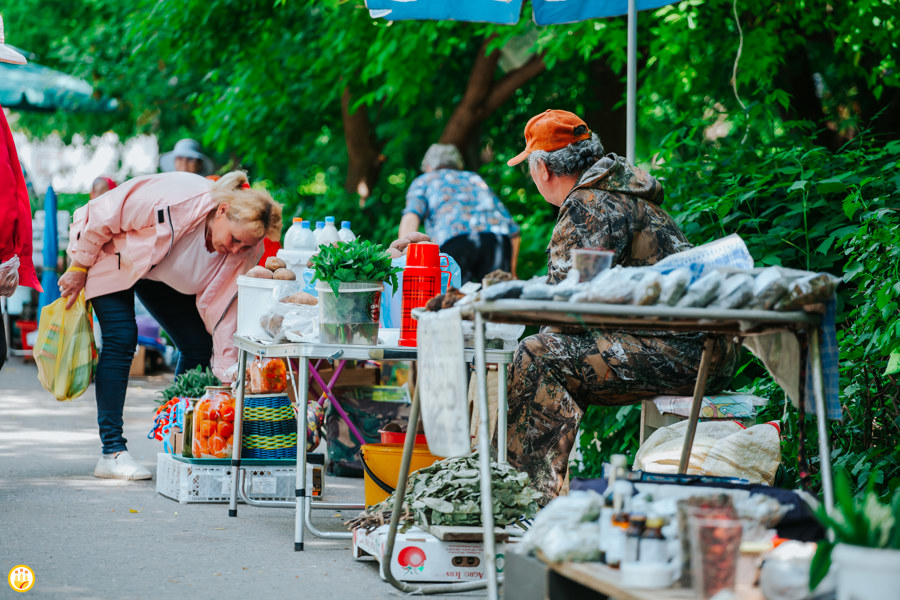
(178, 241)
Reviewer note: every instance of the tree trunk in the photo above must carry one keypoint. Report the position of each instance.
(601, 112)
(363, 150)
(484, 95)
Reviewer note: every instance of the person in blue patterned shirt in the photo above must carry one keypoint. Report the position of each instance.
(461, 214)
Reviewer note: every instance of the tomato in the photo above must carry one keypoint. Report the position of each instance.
(213, 414)
(226, 413)
(225, 429)
(217, 446)
(208, 428)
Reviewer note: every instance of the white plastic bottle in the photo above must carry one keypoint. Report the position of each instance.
(330, 232)
(346, 234)
(290, 238)
(306, 239)
(320, 227)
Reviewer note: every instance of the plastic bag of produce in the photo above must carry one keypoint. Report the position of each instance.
(814, 288)
(266, 376)
(64, 351)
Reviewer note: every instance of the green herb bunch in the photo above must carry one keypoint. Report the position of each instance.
(359, 260)
(190, 384)
(855, 521)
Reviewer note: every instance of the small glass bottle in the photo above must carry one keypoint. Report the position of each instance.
(188, 429)
(617, 463)
(653, 544)
(636, 524)
(615, 548)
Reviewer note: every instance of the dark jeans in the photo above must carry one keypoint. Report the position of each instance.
(479, 254)
(178, 316)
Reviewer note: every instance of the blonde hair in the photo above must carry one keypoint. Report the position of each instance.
(255, 209)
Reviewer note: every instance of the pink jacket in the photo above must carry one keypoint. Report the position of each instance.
(125, 232)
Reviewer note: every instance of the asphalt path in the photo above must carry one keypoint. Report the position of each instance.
(89, 538)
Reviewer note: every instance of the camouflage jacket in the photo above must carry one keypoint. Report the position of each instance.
(614, 206)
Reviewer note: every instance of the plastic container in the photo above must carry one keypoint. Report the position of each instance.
(317, 232)
(329, 232)
(383, 461)
(392, 299)
(290, 238)
(254, 296)
(346, 234)
(715, 547)
(421, 283)
(351, 317)
(213, 426)
(266, 376)
(399, 437)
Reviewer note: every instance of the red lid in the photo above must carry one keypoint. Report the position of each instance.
(423, 254)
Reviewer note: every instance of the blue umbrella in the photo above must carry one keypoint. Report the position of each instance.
(546, 12)
(50, 252)
(34, 87)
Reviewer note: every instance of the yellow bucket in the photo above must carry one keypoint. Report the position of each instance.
(383, 461)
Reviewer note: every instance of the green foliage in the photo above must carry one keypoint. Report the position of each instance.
(359, 260)
(858, 521)
(190, 384)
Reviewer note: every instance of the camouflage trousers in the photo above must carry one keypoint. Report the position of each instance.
(554, 377)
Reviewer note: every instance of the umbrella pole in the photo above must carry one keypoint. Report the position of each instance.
(631, 81)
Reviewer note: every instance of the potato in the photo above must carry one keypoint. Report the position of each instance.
(284, 274)
(273, 263)
(301, 298)
(400, 245)
(394, 253)
(259, 273)
(416, 237)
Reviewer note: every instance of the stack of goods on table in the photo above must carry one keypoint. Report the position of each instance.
(660, 531)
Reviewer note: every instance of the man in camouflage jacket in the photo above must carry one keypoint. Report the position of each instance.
(604, 203)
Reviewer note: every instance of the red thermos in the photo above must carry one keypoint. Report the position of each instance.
(421, 283)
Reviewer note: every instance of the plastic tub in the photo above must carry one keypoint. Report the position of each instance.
(351, 317)
(26, 327)
(254, 296)
(383, 460)
(399, 437)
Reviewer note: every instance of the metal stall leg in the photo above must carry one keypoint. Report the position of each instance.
(484, 456)
(301, 393)
(821, 418)
(502, 408)
(699, 390)
(399, 496)
(238, 428)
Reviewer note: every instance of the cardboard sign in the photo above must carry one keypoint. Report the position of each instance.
(442, 383)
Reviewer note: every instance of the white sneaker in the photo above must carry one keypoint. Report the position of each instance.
(120, 465)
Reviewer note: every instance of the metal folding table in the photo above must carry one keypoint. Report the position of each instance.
(740, 323)
(331, 352)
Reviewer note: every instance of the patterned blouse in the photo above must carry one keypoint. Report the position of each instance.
(453, 203)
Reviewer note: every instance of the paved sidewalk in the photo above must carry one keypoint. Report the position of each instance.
(104, 539)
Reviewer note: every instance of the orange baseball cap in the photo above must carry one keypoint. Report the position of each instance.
(551, 130)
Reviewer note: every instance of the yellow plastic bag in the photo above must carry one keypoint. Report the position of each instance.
(64, 351)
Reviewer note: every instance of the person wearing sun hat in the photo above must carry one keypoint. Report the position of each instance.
(15, 224)
(604, 202)
(187, 156)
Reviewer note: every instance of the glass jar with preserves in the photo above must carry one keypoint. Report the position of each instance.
(213, 423)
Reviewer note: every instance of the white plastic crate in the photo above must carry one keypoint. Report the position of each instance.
(190, 483)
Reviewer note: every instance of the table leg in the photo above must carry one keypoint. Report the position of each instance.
(502, 407)
(699, 390)
(238, 427)
(821, 418)
(301, 390)
(484, 456)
